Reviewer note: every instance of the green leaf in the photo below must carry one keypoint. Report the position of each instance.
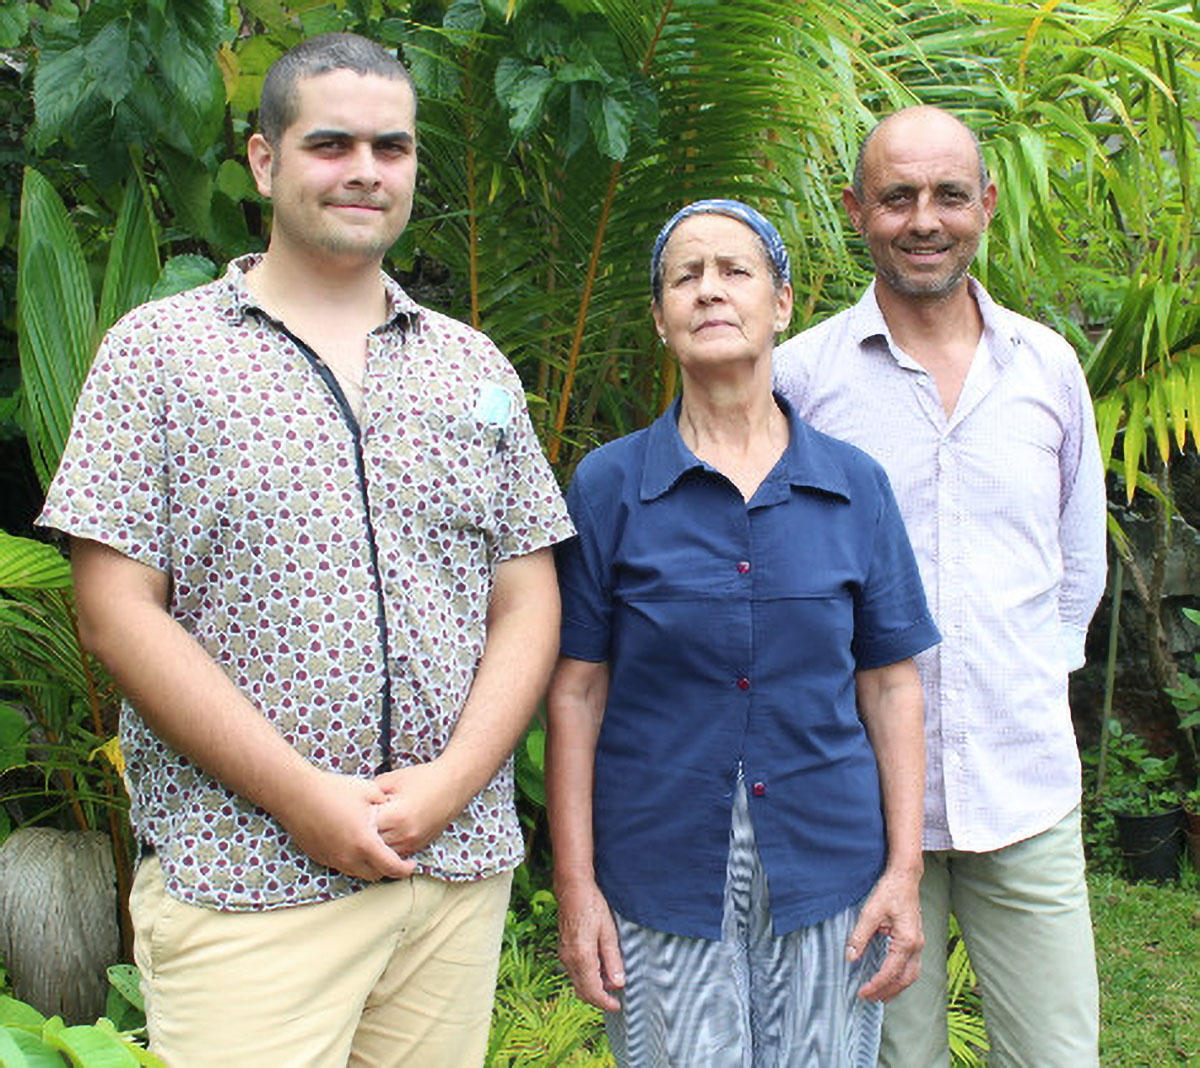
(578, 128)
(58, 90)
(14, 23)
(19, 1049)
(610, 115)
(188, 187)
(14, 1013)
(126, 980)
(55, 320)
(535, 748)
(132, 258)
(530, 766)
(91, 1046)
(254, 56)
(466, 16)
(29, 564)
(185, 59)
(525, 98)
(183, 272)
(271, 13)
(235, 181)
(107, 59)
(13, 729)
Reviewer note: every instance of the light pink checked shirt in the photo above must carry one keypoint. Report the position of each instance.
(1004, 502)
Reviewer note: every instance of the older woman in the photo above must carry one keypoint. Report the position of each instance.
(735, 765)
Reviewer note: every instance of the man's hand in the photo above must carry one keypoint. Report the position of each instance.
(418, 805)
(894, 909)
(334, 822)
(587, 945)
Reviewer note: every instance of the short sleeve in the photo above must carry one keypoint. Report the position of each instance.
(891, 618)
(529, 511)
(584, 584)
(112, 482)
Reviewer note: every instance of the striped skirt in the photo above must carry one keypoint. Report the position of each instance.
(750, 1000)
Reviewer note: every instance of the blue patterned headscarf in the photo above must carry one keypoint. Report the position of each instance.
(734, 209)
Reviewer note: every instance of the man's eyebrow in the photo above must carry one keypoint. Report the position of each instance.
(390, 137)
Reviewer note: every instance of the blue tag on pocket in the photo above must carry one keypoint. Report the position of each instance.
(494, 405)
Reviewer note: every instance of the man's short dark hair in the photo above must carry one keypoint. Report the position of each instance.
(320, 55)
(857, 182)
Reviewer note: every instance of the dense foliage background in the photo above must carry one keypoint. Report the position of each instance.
(556, 136)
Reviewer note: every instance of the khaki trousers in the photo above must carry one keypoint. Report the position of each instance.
(1024, 915)
(400, 973)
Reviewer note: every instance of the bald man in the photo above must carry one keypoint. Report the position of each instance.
(982, 420)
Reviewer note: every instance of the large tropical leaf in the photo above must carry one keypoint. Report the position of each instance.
(56, 320)
(133, 265)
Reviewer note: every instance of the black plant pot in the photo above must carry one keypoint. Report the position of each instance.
(1152, 845)
(1191, 820)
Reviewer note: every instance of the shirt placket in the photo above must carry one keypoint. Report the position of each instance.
(953, 532)
(359, 435)
(743, 564)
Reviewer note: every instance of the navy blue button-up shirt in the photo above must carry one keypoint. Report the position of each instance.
(733, 631)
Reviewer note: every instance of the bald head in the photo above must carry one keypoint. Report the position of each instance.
(913, 124)
(922, 201)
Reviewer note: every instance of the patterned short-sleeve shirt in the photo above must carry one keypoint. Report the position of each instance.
(339, 570)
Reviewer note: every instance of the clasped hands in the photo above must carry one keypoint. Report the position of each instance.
(370, 828)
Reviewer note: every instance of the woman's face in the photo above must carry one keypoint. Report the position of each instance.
(719, 300)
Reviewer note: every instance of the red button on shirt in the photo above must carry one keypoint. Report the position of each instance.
(743, 567)
(743, 683)
(759, 789)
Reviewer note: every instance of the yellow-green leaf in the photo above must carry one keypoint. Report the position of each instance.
(1157, 407)
(1193, 402)
(1176, 385)
(1135, 436)
(91, 1046)
(1108, 417)
(111, 751)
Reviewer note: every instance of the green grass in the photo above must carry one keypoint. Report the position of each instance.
(1148, 951)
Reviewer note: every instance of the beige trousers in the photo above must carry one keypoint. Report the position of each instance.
(1024, 915)
(401, 973)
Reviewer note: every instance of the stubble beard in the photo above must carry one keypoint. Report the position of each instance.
(934, 288)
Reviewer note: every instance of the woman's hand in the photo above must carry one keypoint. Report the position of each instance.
(893, 908)
(587, 945)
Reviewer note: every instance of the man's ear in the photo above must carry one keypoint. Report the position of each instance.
(853, 208)
(260, 156)
(989, 200)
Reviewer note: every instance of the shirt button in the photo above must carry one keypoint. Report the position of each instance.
(759, 789)
(743, 567)
(743, 683)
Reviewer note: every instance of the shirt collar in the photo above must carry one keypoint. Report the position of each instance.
(867, 322)
(806, 463)
(237, 300)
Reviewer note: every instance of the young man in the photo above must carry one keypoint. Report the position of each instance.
(982, 420)
(310, 527)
